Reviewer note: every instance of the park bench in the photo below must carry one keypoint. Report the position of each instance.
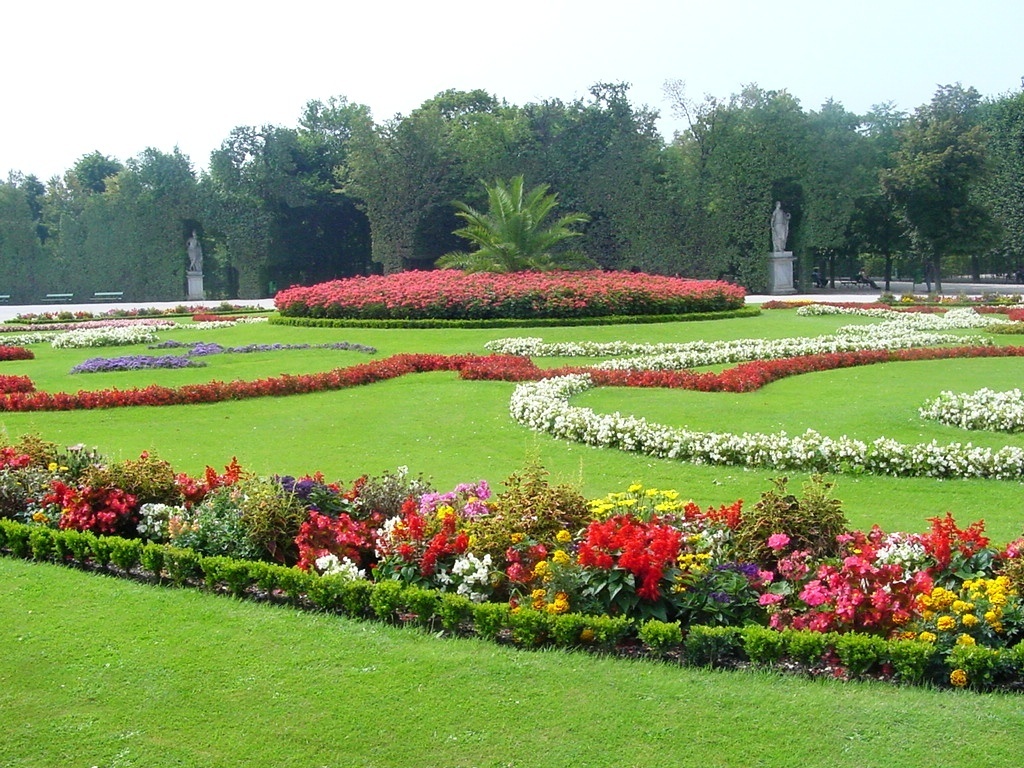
(59, 298)
(107, 296)
(4, 298)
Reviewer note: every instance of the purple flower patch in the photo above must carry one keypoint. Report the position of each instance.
(135, 363)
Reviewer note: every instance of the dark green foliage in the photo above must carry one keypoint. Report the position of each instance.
(566, 629)
(152, 559)
(660, 636)
(454, 611)
(530, 627)
(386, 599)
(811, 521)
(763, 645)
(41, 542)
(182, 565)
(422, 602)
(712, 646)
(489, 619)
(859, 653)
(805, 646)
(913, 660)
(126, 554)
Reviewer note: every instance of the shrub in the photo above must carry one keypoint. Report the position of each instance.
(859, 653)
(454, 611)
(566, 629)
(182, 565)
(41, 542)
(386, 599)
(712, 646)
(805, 646)
(660, 636)
(355, 597)
(126, 554)
(980, 664)
(763, 645)
(529, 627)
(606, 631)
(152, 559)
(912, 660)
(422, 602)
(149, 479)
(489, 619)
(812, 522)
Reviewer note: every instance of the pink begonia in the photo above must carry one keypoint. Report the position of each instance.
(814, 594)
(770, 598)
(778, 541)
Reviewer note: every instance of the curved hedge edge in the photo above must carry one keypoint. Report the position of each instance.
(848, 656)
(536, 322)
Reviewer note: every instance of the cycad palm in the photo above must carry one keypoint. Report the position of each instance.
(511, 236)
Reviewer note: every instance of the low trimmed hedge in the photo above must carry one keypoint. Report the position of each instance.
(848, 655)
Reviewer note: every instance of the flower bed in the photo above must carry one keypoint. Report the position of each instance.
(784, 584)
(450, 294)
(135, 363)
(15, 353)
(984, 409)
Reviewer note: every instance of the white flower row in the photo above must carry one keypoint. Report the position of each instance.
(957, 317)
(104, 337)
(983, 409)
(544, 406)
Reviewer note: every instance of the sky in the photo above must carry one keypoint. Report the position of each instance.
(118, 77)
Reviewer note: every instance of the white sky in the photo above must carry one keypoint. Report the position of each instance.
(119, 76)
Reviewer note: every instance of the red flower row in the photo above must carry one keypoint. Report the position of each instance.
(745, 377)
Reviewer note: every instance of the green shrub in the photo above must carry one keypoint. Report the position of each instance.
(16, 538)
(711, 646)
(454, 610)
(489, 619)
(99, 550)
(981, 664)
(386, 599)
(606, 631)
(325, 592)
(293, 582)
(80, 544)
(805, 646)
(355, 597)
(271, 518)
(763, 645)
(421, 601)
(567, 629)
(182, 565)
(859, 652)
(529, 626)
(812, 522)
(149, 479)
(660, 636)
(152, 559)
(126, 554)
(41, 542)
(912, 660)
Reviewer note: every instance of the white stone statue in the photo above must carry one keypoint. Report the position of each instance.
(780, 228)
(195, 253)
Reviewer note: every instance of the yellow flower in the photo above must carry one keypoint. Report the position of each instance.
(587, 636)
(635, 488)
(542, 568)
(993, 616)
(443, 511)
(560, 603)
(927, 637)
(52, 466)
(959, 606)
(969, 620)
(40, 517)
(966, 640)
(517, 537)
(561, 557)
(563, 537)
(958, 678)
(946, 623)
(539, 598)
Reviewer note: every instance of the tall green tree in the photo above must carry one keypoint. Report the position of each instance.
(1003, 191)
(938, 168)
(514, 234)
(22, 265)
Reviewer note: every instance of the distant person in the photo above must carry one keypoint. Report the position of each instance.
(818, 279)
(863, 279)
(929, 275)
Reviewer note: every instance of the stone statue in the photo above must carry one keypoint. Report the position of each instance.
(780, 228)
(195, 254)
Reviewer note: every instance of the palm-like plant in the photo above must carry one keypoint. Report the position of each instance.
(512, 236)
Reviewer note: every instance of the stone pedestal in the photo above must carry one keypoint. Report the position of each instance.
(195, 286)
(780, 273)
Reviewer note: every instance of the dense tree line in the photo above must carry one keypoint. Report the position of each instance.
(340, 195)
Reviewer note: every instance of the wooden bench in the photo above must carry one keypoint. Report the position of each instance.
(107, 296)
(59, 297)
(4, 298)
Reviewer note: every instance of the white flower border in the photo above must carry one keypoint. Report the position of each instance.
(544, 405)
(984, 409)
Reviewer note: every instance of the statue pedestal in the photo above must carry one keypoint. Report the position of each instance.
(195, 286)
(780, 273)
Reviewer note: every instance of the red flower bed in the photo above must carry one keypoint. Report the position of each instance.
(15, 384)
(15, 353)
(450, 294)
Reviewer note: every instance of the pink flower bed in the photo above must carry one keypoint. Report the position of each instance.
(450, 294)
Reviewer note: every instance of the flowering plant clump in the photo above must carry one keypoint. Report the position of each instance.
(104, 337)
(108, 511)
(414, 547)
(10, 384)
(451, 294)
(983, 409)
(155, 518)
(198, 348)
(983, 611)
(15, 353)
(134, 363)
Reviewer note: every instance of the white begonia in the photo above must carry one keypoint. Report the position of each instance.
(330, 565)
(104, 337)
(472, 573)
(983, 409)
(544, 406)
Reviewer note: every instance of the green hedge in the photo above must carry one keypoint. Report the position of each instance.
(850, 655)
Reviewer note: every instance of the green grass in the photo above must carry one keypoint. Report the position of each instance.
(101, 672)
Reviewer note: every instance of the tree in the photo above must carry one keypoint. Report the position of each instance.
(21, 255)
(92, 171)
(1003, 191)
(512, 235)
(938, 167)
